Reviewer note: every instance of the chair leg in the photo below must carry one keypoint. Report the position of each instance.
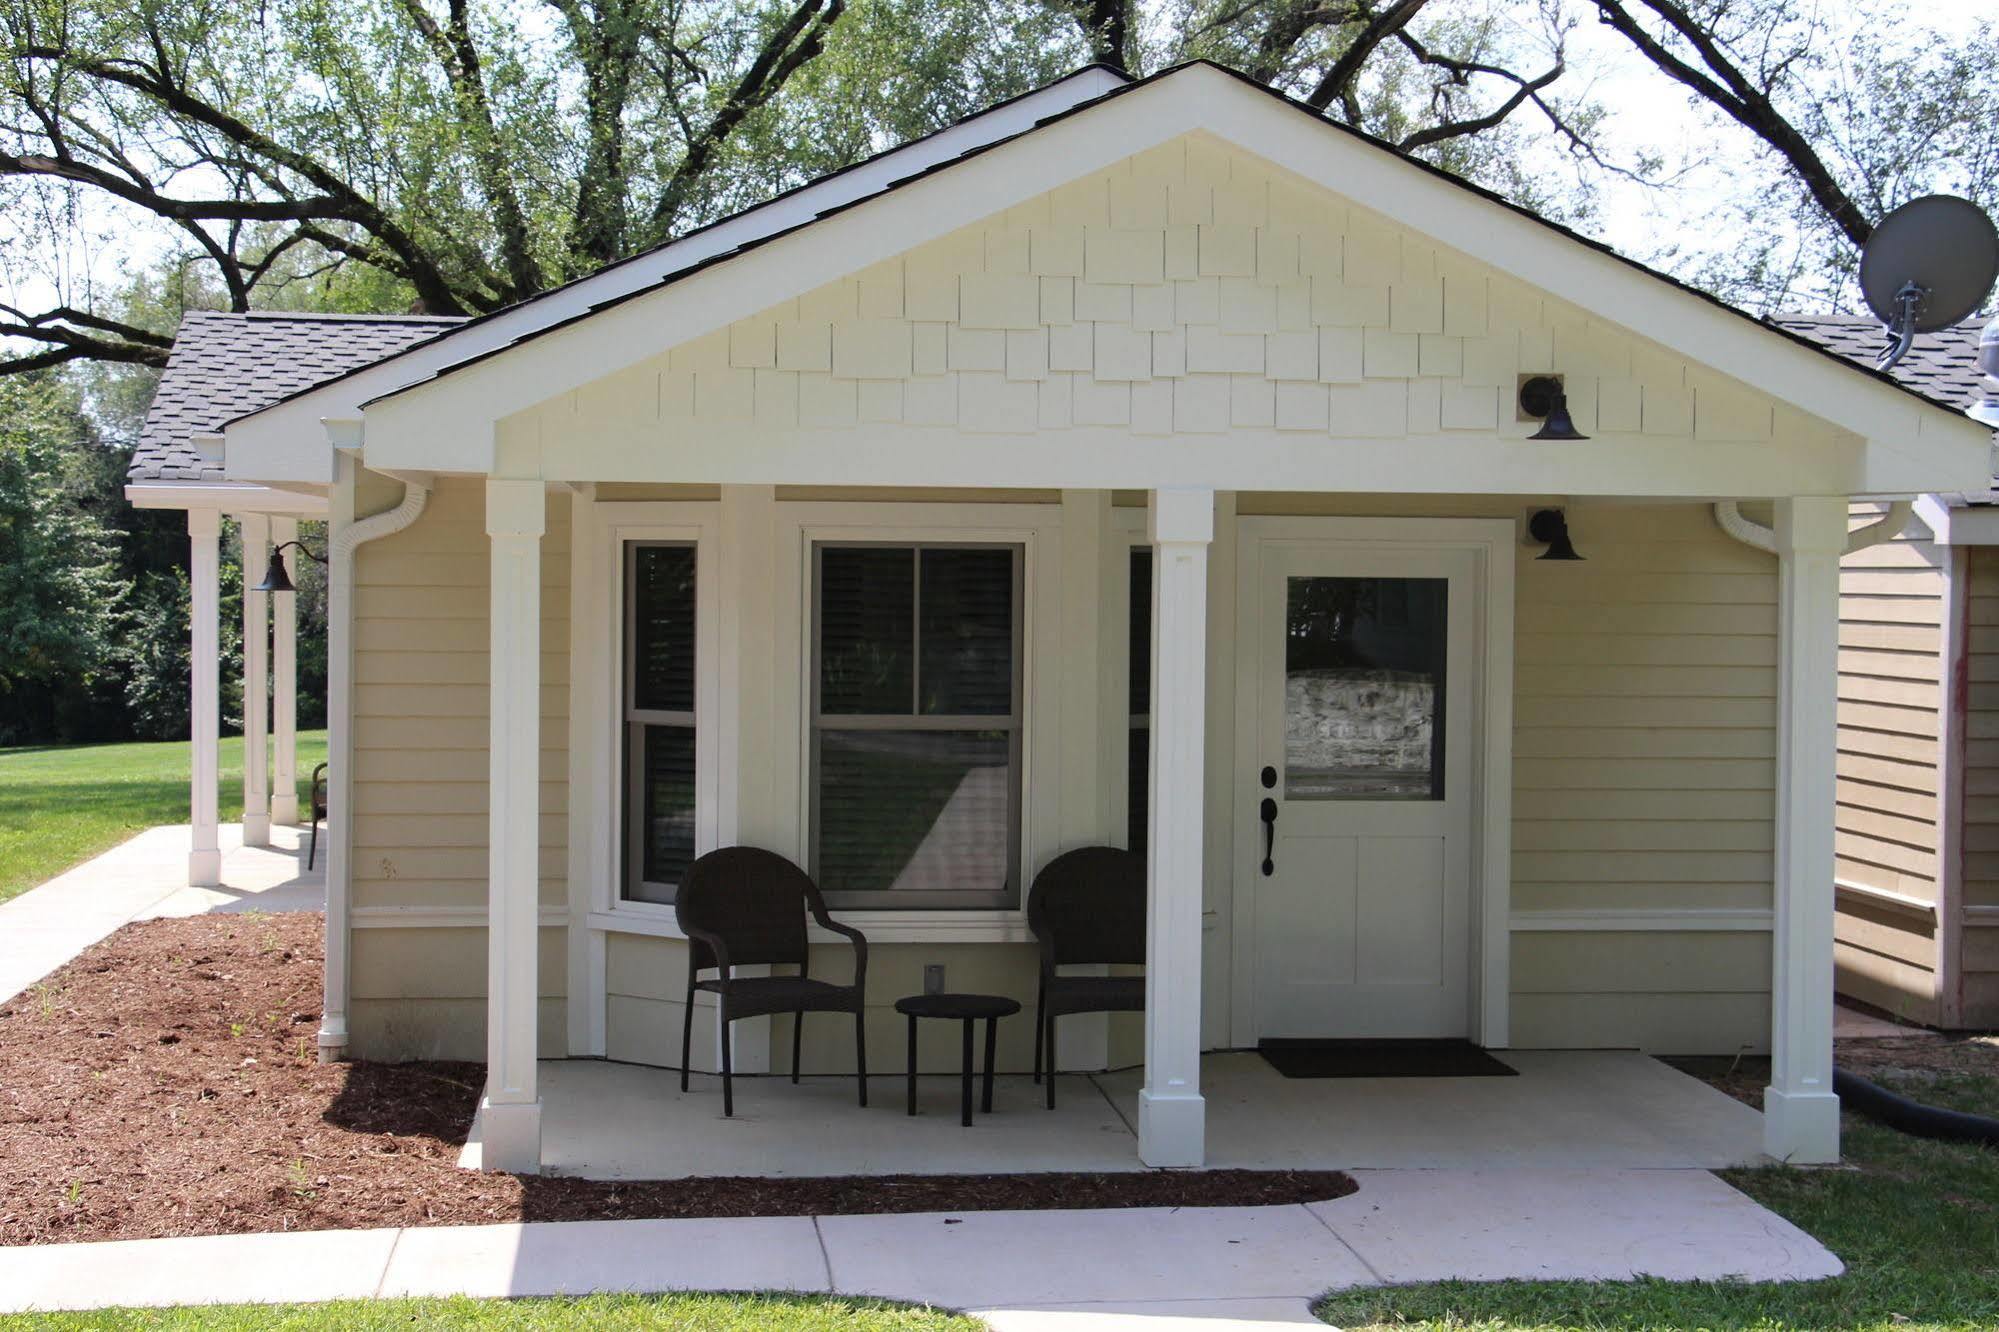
(797, 1038)
(728, 1072)
(687, 1031)
(1040, 999)
(1049, 1039)
(992, 1047)
(912, 1064)
(861, 1054)
(312, 847)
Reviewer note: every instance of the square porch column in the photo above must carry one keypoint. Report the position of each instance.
(1172, 1117)
(510, 1112)
(1800, 1109)
(256, 532)
(204, 713)
(284, 690)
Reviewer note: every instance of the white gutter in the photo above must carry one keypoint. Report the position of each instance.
(1885, 528)
(340, 738)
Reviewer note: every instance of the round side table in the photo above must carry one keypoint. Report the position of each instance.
(968, 1009)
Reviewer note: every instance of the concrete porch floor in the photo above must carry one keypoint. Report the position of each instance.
(1566, 1110)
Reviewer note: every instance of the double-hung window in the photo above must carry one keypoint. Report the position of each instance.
(916, 676)
(659, 717)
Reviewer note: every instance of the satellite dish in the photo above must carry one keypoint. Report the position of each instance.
(1928, 265)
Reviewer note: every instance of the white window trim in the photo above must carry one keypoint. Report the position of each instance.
(1037, 529)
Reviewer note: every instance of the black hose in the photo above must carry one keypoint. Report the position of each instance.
(1900, 1113)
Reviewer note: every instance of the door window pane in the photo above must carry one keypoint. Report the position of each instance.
(903, 811)
(1364, 688)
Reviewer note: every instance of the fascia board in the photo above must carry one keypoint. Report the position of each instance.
(228, 496)
(283, 442)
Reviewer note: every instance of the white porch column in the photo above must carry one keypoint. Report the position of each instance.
(204, 531)
(284, 689)
(510, 1113)
(256, 533)
(1171, 1114)
(1800, 1110)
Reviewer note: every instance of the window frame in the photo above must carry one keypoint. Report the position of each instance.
(633, 721)
(1127, 535)
(1014, 722)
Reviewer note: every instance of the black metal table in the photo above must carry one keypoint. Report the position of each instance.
(968, 1009)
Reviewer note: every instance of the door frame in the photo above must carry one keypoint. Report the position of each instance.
(1494, 544)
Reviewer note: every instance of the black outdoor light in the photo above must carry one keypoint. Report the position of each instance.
(277, 578)
(1542, 397)
(1550, 527)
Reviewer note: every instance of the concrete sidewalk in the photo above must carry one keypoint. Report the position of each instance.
(1078, 1271)
(146, 877)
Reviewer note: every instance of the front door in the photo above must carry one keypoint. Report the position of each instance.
(1358, 848)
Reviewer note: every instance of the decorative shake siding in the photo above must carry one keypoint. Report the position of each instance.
(1192, 289)
(1887, 840)
(420, 822)
(1980, 939)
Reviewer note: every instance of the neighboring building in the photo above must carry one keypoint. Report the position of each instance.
(1918, 818)
(819, 529)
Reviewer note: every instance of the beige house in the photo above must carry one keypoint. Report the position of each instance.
(1134, 435)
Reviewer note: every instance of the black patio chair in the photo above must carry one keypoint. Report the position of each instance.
(318, 802)
(741, 906)
(1087, 907)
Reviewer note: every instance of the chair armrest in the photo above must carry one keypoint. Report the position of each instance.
(714, 944)
(859, 941)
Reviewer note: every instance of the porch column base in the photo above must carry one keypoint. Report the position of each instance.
(332, 1040)
(256, 830)
(284, 810)
(204, 868)
(1801, 1128)
(510, 1136)
(1172, 1129)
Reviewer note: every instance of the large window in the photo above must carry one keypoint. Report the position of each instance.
(659, 717)
(916, 724)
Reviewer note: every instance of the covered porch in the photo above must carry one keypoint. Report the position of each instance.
(1566, 1109)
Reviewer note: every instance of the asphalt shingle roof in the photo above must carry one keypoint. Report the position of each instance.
(224, 365)
(1941, 365)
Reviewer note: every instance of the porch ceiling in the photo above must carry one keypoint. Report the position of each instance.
(1566, 1109)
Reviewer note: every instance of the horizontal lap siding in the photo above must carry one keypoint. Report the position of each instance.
(1644, 780)
(420, 824)
(1886, 835)
(1980, 981)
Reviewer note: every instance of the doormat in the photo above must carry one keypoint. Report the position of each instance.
(1381, 1059)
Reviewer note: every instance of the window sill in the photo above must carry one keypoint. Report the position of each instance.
(881, 927)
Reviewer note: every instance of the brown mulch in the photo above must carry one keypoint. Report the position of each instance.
(1919, 1057)
(166, 1083)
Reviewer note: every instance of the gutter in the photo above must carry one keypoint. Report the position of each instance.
(340, 738)
(1887, 527)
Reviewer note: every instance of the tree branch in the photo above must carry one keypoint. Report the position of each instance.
(1339, 81)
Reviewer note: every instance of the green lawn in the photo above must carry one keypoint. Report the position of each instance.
(59, 806)
(600, 1313)
(1917, 1224)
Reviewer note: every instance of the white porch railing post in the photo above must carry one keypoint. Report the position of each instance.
(204, 532)
(284, 689)
(1800, 1110)
(1171, 1113)
(510, 1113)
(256, 532)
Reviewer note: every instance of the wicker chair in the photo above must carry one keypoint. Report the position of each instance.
(741, 906)
(1087, 907)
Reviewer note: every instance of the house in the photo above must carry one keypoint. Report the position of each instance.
(1136, 435)
(1918, 815)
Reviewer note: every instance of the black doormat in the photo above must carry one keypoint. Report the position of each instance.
(1382, 1059)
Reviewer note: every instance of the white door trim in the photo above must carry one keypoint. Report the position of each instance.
(1493, 543)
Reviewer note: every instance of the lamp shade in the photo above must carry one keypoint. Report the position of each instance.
(276, 578)
(1551, 528)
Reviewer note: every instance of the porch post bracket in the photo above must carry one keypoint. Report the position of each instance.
(510, 1111)
(1172, 1116)
(1887, 527)
(348, 537)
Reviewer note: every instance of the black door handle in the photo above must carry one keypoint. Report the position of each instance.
(1269, 815)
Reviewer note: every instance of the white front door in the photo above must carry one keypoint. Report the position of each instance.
(1354, 840)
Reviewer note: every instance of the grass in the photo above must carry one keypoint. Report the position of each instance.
(1917, 1224)
(600, 1313)
(59, 806)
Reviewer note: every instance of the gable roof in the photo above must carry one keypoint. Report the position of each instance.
(226, 364)
(1942, 366)
(1916, 386)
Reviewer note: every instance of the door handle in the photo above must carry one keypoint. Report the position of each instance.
(1269, 815)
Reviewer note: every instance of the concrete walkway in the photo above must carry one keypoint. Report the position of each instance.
(142, 878)
(1079, 1271)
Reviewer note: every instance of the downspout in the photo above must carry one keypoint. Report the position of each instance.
(1887, 527)
(340, 738)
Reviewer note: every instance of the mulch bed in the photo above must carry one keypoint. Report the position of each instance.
(1906, 1061)
(166, 1083)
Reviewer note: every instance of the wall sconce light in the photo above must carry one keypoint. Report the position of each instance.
(277, 578)
(1543, 398)
(1550, 527)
